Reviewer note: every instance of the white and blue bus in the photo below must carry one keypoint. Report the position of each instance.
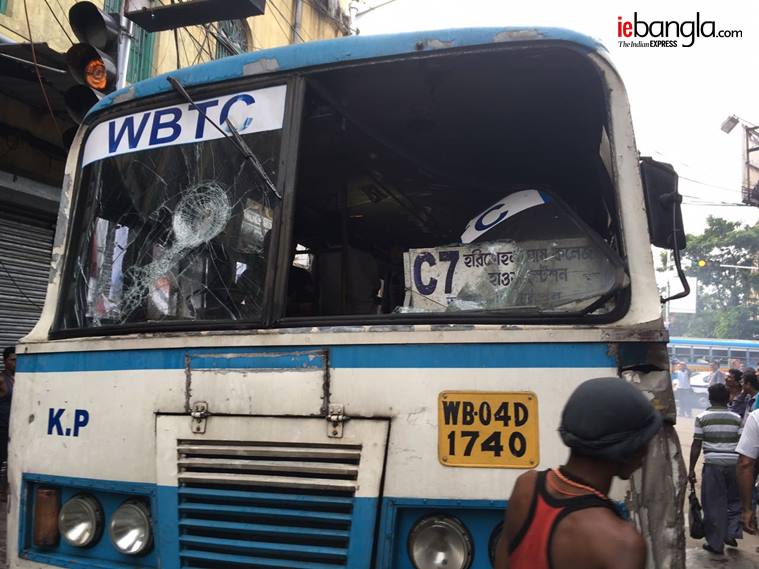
(699, 352)
(318, 307)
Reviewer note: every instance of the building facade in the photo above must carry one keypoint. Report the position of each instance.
(35, 126)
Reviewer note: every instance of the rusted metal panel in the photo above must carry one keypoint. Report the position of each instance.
(657, 497)
(657, 491)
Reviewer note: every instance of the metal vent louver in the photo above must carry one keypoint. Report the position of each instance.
(265, 504)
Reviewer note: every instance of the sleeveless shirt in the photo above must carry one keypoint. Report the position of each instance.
(531, 546)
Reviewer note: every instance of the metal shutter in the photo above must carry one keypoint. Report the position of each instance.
(26, 240)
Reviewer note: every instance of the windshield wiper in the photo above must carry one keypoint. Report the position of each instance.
(235, 138)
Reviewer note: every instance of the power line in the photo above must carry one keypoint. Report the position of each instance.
(284, 31)
(176, 46)
(197, 43)
(296, 32)
(39, 75)
(372, 8)
(7, 272)
(60, 6)
(49, 7)
(221, 38)
(184, 49)
(325, 12)
(22, 60)
(704, 202)
(19, 34)
(707, 204)
(733, 190)
(196, 59)
(208, 28)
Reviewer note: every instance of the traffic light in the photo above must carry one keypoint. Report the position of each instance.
(702, 263)
(93, 62)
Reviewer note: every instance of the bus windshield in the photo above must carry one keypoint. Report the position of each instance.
(431, 187)
(171, 232)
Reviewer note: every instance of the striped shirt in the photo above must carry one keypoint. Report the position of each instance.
(719, 430)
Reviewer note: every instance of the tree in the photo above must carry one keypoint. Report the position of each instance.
(728, 305)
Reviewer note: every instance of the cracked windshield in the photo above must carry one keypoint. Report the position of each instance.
(177, 232)
(392, 214)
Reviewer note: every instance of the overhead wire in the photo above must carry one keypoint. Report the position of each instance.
(184, 49)
(699, 201)
(196, 59)
(39, 75)
(10, 276)
(319, 8)
(694, 180)
(200, 47)
(372, 8)
(176, 45)
(19, 34)
(284, 31)
(222, 38)
(40, 65)
(287, 21)
(725, 188)
(60, 6)
(63, 29)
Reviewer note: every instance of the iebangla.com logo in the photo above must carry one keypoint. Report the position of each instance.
(663, 31)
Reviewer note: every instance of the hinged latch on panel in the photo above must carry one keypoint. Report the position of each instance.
(199, 415)
(336, 420)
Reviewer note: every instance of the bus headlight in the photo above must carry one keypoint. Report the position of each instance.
(81, 520)
(130, 529)
(495, 537)
(440, 542)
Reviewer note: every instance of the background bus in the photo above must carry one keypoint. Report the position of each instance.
(698, 352)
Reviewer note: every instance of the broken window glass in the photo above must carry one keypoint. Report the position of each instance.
(527, 253)
(461, 184)
(173, 233)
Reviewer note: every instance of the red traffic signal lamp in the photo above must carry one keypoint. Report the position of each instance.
(93, 62)
(91, 67)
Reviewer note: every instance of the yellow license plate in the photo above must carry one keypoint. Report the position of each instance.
(488, 429)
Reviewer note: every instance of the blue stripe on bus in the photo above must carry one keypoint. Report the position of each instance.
(397, 516)
(174, 358)
(717, 343)
(549, 355)
(351, 48)
(553, 355)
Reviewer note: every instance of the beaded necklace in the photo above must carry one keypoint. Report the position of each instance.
(557, 472)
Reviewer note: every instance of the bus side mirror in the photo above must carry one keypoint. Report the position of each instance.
(665, 220)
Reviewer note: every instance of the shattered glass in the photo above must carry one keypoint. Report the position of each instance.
(176, 233)
(541, 260)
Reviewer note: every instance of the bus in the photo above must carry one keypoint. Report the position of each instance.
(319, 306)
(699, 352)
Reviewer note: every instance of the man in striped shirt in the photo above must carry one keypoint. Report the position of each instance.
(717, 432)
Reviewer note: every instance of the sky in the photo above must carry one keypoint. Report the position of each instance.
(678, 96)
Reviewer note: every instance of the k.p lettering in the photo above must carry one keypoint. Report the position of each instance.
(66, 424)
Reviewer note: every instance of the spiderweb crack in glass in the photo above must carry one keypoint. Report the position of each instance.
(201, 214)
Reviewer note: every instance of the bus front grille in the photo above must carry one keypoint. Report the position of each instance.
(265, 504)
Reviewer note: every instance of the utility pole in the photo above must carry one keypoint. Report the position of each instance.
(125, 44)
(296, 37)
(750, 189)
